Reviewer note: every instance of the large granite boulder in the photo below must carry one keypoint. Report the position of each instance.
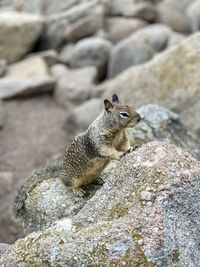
(146, 214)
(171, 79)
(18, 34)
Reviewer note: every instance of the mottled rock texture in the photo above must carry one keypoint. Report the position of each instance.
(146, 214)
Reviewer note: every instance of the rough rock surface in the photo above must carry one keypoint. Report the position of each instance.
(14, 87)
(171, 79)
(3, 248)
(138, 48)
(146, 214)
(13, 28)
(76, 86)
(161, 124)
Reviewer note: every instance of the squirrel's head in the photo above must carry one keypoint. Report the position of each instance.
(119, 114)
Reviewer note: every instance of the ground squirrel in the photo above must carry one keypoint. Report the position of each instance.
(90, 151)
(104, 140)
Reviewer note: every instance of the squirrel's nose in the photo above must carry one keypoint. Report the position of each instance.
(139, 118)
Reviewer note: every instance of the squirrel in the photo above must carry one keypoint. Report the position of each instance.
(90, 151)
(103, 141)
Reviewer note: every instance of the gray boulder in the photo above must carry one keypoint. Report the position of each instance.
(142, 10)
(58, 70)
(92, 51)
(75, 86)
(159, 123)
(24, 87)
(172, 17)
(45, 7)
(171, 79)
(49, 56)
(193, 14)
(18, 34)
(146, 214)
(119, 28)
(80, 117)
(138, 48)
(71, 25)
(32, 66)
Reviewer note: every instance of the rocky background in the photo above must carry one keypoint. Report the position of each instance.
(58, 60)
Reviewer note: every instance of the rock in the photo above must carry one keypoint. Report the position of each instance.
(45, 7)
(33, 66)
(173, 18)
(138, 48)
(143, 10)
(81, 116)
(171, 79)
(76, 86)
(119, 28)
(13, 27)
(15, 87)
(66, 55)
(161, 124)
(78, 22)
(49, 56)
(180, 6)
(59, 70)
(116, 7)
(115, 227)
(92, 51)
(175, 39)
(3, 67)
(37, 214)
(193, 14)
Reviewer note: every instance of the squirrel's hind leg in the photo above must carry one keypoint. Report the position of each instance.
(79, 191)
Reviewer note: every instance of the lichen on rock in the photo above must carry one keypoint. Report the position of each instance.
(116, 227)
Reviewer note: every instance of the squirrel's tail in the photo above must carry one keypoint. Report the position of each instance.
(19, 203)
(51, 171)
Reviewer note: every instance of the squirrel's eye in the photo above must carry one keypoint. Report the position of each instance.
(124, 114)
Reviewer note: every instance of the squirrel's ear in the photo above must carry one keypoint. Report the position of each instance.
(115, 98)
(108, 105)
